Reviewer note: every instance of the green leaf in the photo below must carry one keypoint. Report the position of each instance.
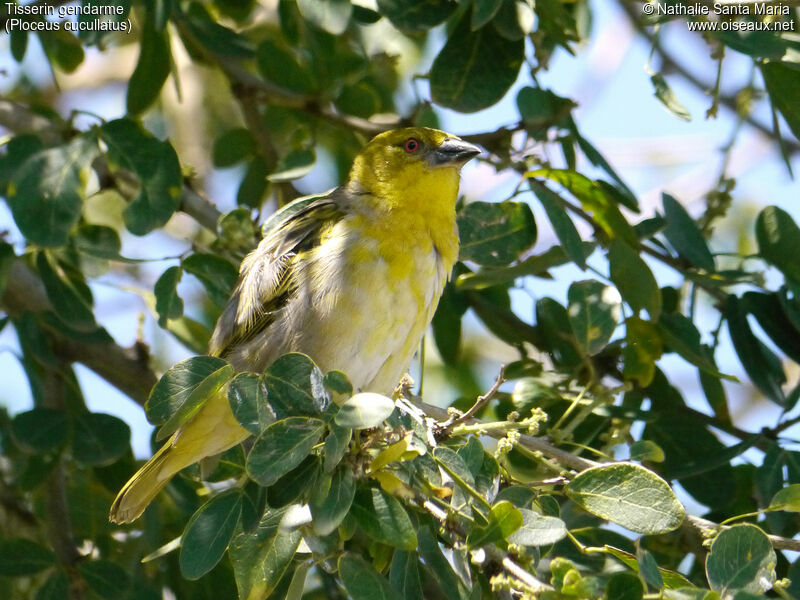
(483, 12)
(177, 386)
(415, 16)
(672, 579)
(537, 530)
(519, 496)
(217, 275)
(668, 98)
(152, 69)
(67, 290)
(628, 495)
(279, 65)
(202, 393)
(296, 484)
(169, 304)
(329, 15)
(295, 386)
(232, 147)
(515, 19)
(556, 333)
(294, 165)
(684, 235)
(649, 568)
(19, 44)
(157, 167)
(562, 225)
(779, 241)
(536, 265)
(208, 534)
(404, 575)
(55, 588)
(336, 445)
(541, 109)
(364, 15)
(99, 439)
(714, 391)
(47, 189)
(787, 498)
(190, 333)
(362, 581)
(646, 450)
(337, 382)
(594, 198)
(20, 557)
(281, 447)
(475, 69)
(247, 396)
(7, 257)
(624, 586)
(298, 583)
(218, 39)
(105, 578)
(771, 316)
(681, 336)
(364, 411)
(593, 313)
(446, 323)
(361, 100)
(98, 241)
(63, 48)
(626, 196)
(758, 44)
(504, 519)
(438, 566)
(783, 85)
(260, 558)
(760, 364)
(330, 508)
(634, 279)
(254, 183)
(383, 518)
(741, 558)
(495, 234)
(41, 430)
(642, 349)
(236, 232)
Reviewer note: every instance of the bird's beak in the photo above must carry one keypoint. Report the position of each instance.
(453, 152)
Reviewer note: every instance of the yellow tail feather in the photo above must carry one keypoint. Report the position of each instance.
(213, 430)
(140, 490)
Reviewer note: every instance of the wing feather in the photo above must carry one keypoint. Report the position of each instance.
(266, 276)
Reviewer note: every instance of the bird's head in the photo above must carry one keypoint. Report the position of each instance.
(412, 158)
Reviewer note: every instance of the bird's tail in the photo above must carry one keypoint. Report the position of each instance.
(140, 490)
(210, 432)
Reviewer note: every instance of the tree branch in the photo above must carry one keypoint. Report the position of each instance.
(691, 523)
(671, 64)
(127, 369)
(59, 527)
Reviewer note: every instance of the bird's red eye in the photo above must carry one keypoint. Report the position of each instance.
(411, 145)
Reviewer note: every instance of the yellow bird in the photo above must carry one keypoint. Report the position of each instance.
(351, 278)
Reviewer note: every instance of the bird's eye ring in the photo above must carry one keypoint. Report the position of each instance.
(411, 145)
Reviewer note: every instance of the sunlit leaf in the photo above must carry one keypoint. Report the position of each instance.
(629, 495)
(741, 558)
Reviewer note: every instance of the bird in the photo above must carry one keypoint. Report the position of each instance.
(351, 278)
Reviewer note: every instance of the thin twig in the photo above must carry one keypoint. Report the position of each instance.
(578, 463)
(445, 428)
(671, 64)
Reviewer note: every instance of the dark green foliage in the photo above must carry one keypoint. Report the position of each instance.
(340, 492)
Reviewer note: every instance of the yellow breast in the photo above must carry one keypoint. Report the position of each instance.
(379, 274)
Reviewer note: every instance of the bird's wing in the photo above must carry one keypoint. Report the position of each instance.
(265, 277)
